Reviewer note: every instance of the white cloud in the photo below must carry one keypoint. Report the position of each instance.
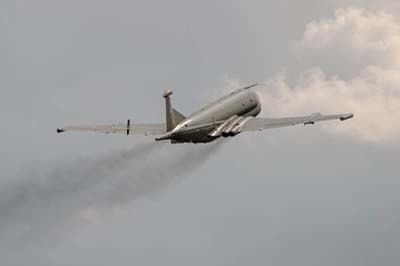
(354, 35)
(354, 39)
(373, 96)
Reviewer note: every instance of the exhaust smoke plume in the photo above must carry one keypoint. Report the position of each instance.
(54, 196)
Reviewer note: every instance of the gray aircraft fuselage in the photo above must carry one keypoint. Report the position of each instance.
(211, 121)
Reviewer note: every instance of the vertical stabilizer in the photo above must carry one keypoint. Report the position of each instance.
(173, 117)
(168, 110)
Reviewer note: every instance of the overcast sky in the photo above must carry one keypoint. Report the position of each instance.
(321, 195)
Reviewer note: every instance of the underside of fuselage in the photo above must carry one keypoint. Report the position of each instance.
(200, 135)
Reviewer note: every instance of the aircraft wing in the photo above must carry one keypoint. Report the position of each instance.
(267, 123)
(139, 129)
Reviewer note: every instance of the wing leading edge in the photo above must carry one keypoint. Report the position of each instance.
(138, 129)
(267, 123)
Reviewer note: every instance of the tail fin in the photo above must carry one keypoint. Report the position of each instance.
(173, 117)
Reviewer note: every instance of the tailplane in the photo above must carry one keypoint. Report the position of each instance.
(173, 116)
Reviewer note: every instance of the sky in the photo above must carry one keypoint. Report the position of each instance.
(317, 195)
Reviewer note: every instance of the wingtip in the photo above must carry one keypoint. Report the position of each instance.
(346, 117)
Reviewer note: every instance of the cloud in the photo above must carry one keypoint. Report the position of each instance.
(373, 96)
(353, 39)
(363, 45)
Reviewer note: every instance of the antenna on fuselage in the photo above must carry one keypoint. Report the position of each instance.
(251, 86)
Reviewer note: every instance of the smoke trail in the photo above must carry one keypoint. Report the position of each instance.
(157, 173)
(48, 200)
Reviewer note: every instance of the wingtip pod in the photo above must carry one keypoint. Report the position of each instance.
(346, 117)
(60, 130)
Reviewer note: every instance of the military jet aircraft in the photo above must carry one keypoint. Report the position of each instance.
(227, 117)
